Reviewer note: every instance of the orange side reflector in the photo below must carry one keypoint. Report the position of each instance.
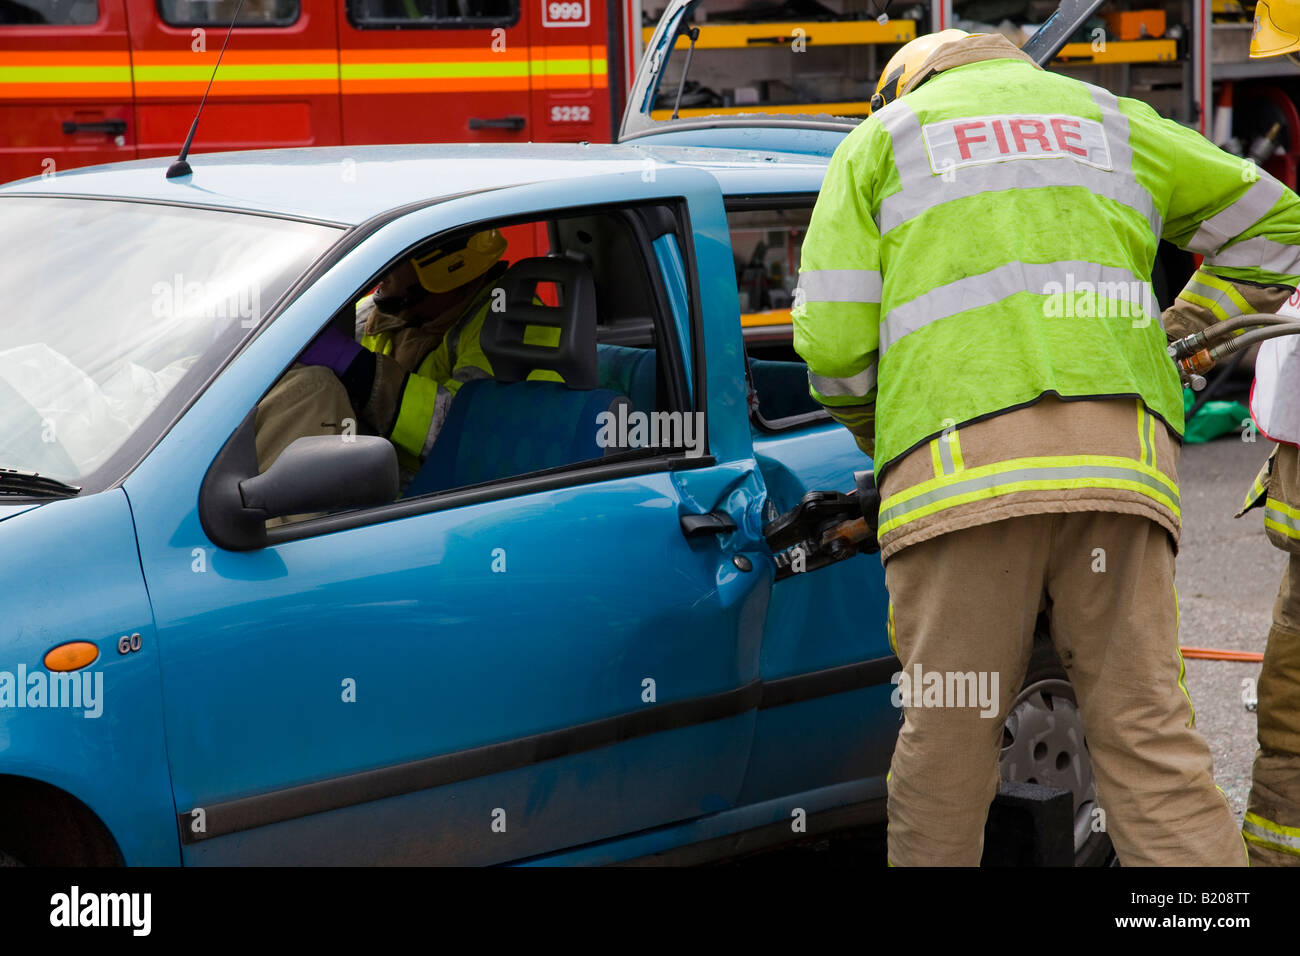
(72, 656)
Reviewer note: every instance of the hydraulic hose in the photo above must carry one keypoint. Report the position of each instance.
(1191, 344)
(1194, 354)
(1247, 339)
(1214, 654)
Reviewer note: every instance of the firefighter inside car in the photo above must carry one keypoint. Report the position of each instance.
(416, 342)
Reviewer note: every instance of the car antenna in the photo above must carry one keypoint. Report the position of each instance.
(181, 167)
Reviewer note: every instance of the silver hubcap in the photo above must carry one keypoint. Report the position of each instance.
(1043, 743)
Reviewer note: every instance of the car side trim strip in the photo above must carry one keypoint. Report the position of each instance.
(277, 806)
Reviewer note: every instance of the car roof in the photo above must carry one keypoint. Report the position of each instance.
(350, 184)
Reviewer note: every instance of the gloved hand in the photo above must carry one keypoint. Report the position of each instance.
(332, 349)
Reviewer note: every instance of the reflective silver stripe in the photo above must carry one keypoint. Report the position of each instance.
(1271, 513)
(1044, 473)
(1237, 218)
(923, 190)
(840, 285)
(945, 454)
(995, 285)
(1259, 253)
(441, 406)
(857, 386)
(1144, 436)
(1217, 296)
(1253, 831)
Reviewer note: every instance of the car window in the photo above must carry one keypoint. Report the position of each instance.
(765, 243)
(404, 14)
(263, 13)
(119, 308)
(502, 352)
(51, 12)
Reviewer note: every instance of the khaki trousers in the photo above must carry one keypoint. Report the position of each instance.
(1272, 826)
(308, 400)
(968, 601)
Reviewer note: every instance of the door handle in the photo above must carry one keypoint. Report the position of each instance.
(501, 122)
(113, 127)
(715, 522)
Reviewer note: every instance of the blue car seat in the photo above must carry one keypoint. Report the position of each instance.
(515, 423)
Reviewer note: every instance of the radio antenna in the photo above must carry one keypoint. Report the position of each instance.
(181, 167)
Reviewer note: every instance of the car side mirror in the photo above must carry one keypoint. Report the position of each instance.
(319, 473)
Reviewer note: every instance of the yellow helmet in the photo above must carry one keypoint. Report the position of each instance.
(1277, 28)
(451, 266)
(903, 65)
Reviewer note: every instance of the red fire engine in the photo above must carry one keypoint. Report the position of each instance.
(92, 81)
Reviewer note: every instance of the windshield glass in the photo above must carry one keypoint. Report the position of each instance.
(114, 309)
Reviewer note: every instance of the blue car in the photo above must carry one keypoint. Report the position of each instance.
(541, 647)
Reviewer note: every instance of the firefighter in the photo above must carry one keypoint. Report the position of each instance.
(418, 343)
(1272, 823)
(974, 304)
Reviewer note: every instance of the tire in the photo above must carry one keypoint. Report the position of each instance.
(1043, 742)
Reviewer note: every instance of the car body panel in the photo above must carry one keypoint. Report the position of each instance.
(352, 185)
(75, 576)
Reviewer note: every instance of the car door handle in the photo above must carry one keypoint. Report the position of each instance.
(501, 122)
(113, 127)
(715, 522)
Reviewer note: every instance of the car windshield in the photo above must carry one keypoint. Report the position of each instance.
(116, 312)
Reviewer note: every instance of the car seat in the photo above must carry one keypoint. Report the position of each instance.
(523, 420)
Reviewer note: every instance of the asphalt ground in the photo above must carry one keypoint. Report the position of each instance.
(1227, 579)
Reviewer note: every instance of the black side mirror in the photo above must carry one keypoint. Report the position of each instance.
(320, 473)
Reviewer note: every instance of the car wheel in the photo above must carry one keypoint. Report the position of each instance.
(1043, 742)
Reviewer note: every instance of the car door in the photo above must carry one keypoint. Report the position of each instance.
(825, 643)
(483, 677)
(65, 86)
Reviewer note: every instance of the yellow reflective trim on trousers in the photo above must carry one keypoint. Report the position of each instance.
(1281, 517)
(945, 454)
(1146, 435)
(1182, 663)
(889, 629)
(1275, 836)
(419, 399)
(1151, 436)
(1027, 474)
(67, 74)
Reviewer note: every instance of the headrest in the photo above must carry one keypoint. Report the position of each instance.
(518, 338)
